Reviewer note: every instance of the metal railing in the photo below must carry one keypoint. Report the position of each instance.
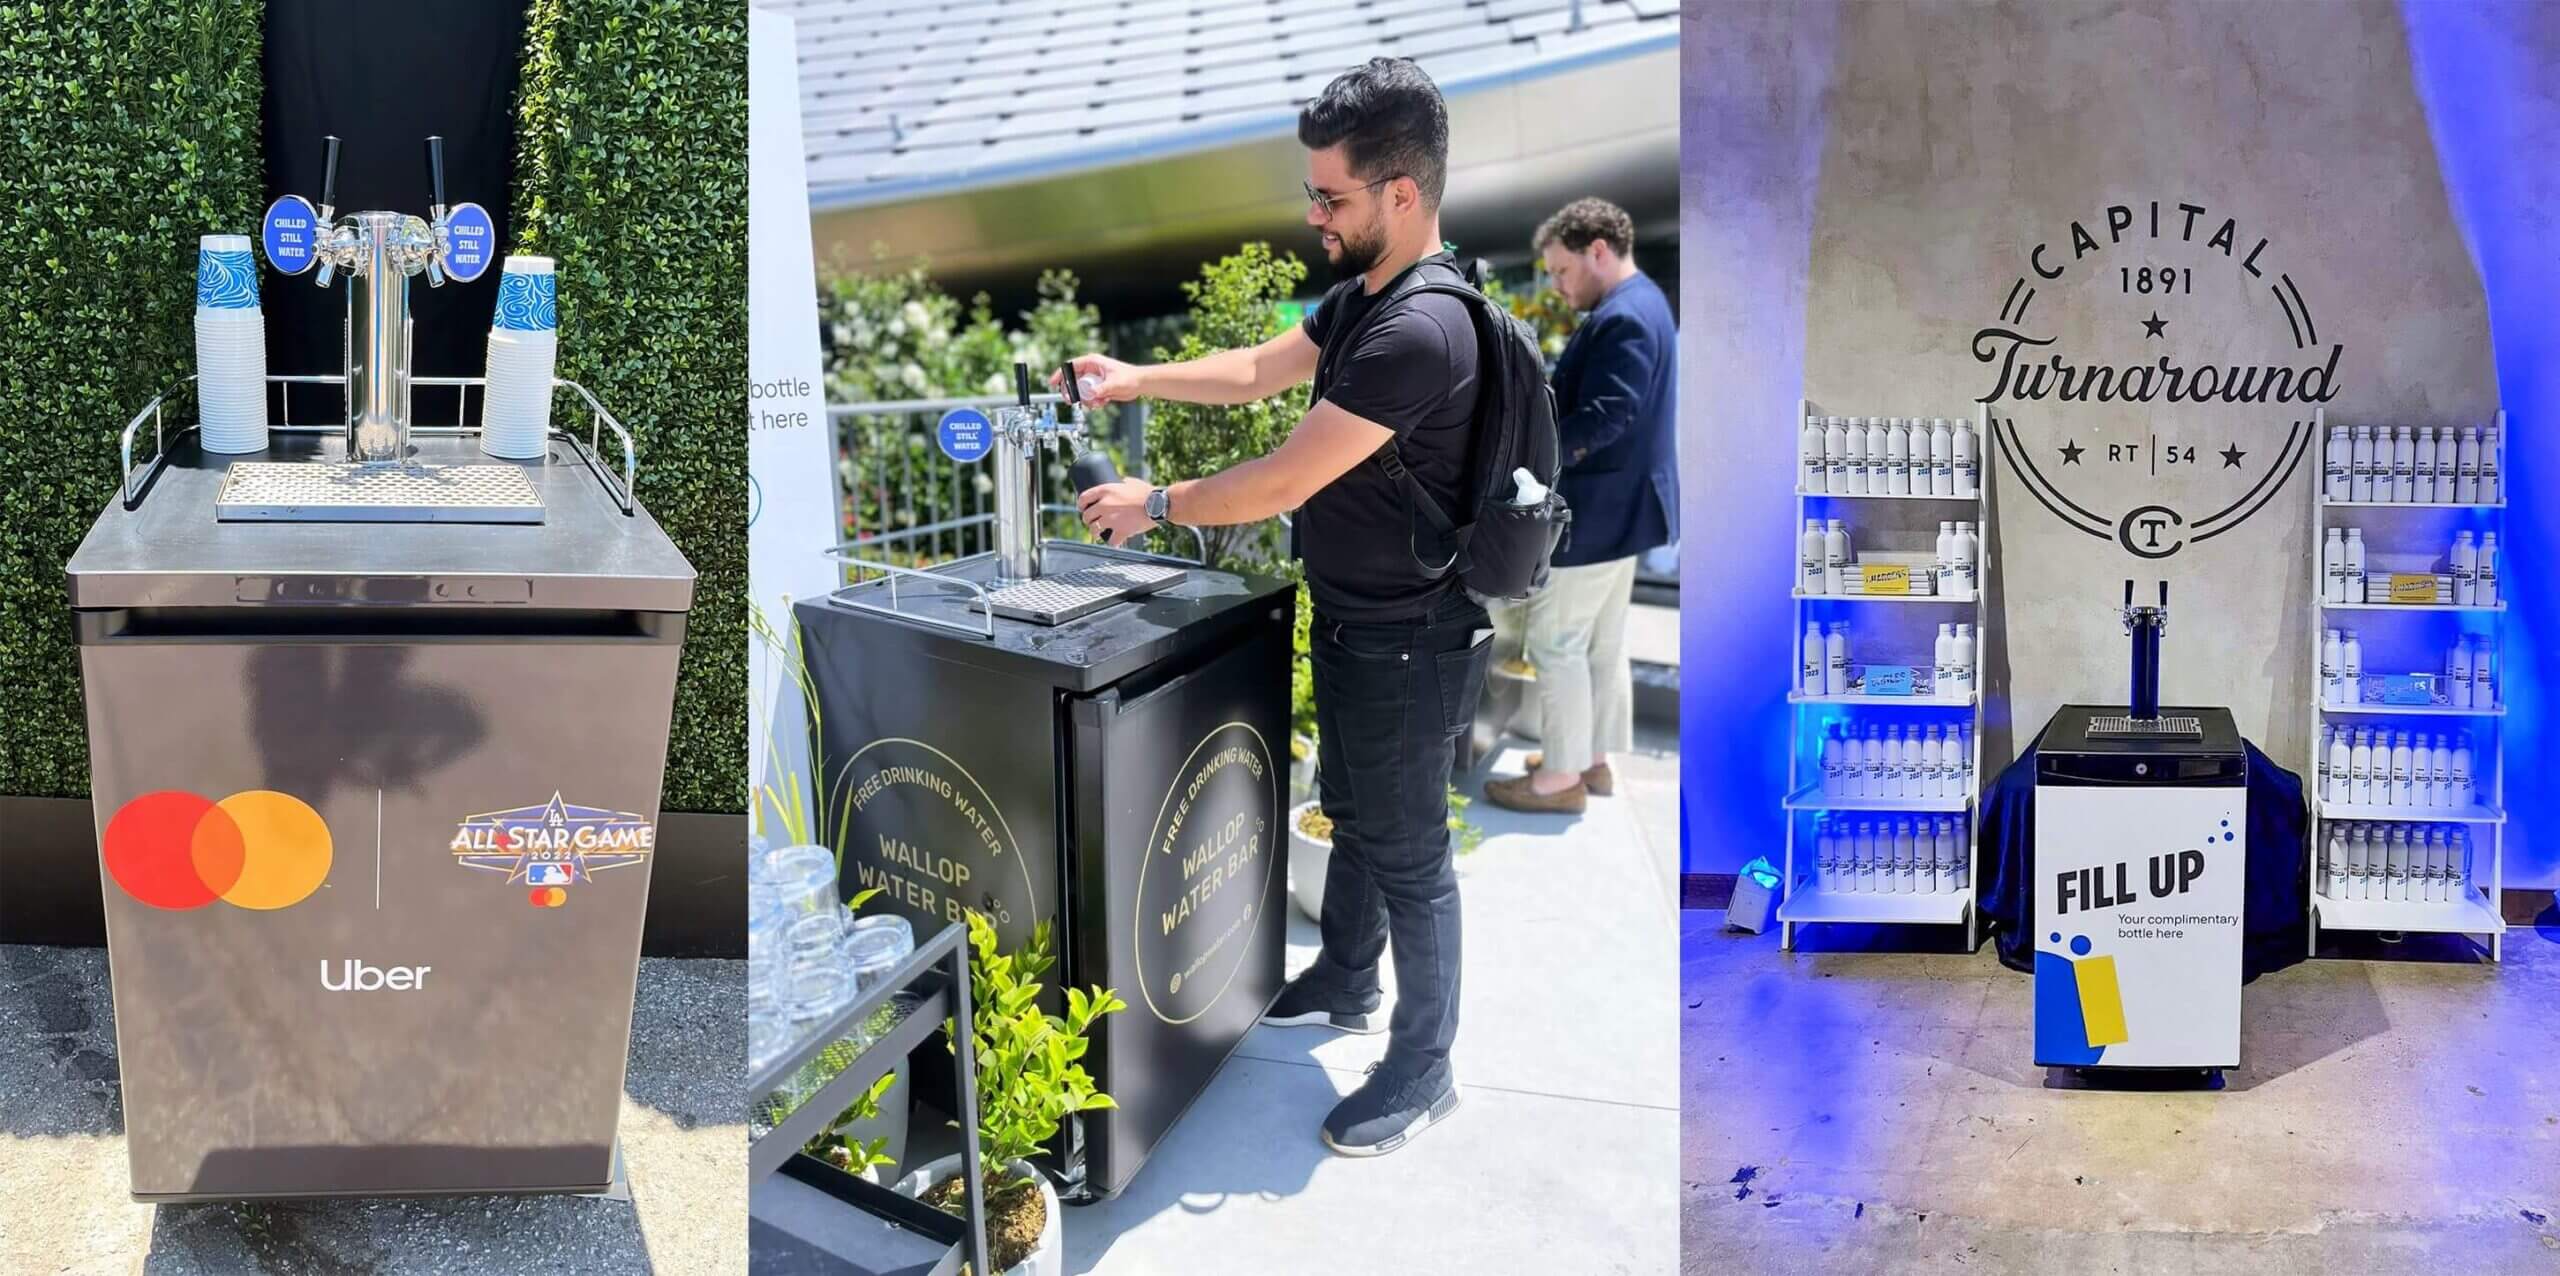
(908, 504)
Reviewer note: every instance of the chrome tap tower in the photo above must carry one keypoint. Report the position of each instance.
(378, 252)
(1023, 433)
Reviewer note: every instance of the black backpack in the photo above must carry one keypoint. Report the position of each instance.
(1499, 549)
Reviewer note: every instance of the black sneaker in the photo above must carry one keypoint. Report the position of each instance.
(1389, 1109)
(1307, 1001)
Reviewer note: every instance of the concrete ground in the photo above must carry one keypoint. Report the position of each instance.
(1560, 1157)
(1863, 1109)
(65, 1208)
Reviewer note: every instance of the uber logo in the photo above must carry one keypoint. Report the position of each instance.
(355, 975)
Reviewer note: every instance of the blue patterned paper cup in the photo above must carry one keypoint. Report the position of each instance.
(527, 297)
(226, 273)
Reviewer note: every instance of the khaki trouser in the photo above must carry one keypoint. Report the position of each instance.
(1575, 635)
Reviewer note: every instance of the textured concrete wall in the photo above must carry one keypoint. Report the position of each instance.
(1961, 136)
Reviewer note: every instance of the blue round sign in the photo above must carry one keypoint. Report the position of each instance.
(471, 242)
(966, 434)
(291, 234)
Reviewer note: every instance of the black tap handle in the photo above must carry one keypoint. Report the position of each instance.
(1067, 379)
(2128, 593)
(2164, 594)
(1022, 382)
(435, 170)
(329, 173)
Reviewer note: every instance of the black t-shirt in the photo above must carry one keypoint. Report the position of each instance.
(1414, 372)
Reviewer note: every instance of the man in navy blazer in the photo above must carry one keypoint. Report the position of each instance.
(1615, 410)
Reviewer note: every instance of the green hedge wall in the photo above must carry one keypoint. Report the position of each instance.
(633, 176)
(129, 129)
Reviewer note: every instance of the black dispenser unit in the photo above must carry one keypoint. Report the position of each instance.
(1114, 770)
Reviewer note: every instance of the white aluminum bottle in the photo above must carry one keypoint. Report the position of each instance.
(2466, 568)
(2333, 566)
(1878, 442)
(1897, 457)
(1967, 474)
(1964, 659)
(2360, 464)
(1869, 881)
(2457, 668)
(1857, 458)
(2355, 565)
(1942, 666)
(1905, 858)
(2448, 465)
(2354, 878)
(1895, 764)
(2484, 580)
(1809, 669)
(1835, 557)
(2350, 667)
(2395, 872)
(2404, 790)
(1812, 470)
(2404, 451)
(1835, 453)
(2462, 757)
(2360, 769)
(1809, 559)
(2333, 686)
(2484, 677)
(2336, 463)
(2490, 447)
(1933, 765)
(1831, 760)
(1942, 457)
(1968, 549)
(1826, 851)
(2332, 857)
(1835, 659)
(2425, 492)
(2440, 771)
(2466, 480)
(2341, 770)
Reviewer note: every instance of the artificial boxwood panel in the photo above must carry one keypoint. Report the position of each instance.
(633, 177)
(126, 131)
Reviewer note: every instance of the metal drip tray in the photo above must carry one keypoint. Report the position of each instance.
(341, 492)
(2117, 726)
(1055, 600)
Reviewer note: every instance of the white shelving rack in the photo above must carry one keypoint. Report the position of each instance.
(2476, 913)
(1805, 902)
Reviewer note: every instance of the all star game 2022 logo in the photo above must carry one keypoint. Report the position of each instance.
(2236, 428)
(554, 846)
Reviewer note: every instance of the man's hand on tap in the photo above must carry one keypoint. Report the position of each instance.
(1110, 380)
(1118, 508)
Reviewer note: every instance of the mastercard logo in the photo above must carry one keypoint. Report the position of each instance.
(258, 849)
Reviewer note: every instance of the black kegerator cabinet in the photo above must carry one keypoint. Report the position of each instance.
(1073, 749)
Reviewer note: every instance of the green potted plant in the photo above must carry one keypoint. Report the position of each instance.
(1029, 1082)
(843, 1145)
(1311, 847)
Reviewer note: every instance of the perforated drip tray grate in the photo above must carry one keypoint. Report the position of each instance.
(2116, 726)
(1055, 600)
(340, 492)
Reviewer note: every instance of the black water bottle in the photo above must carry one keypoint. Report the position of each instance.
(1090, 470)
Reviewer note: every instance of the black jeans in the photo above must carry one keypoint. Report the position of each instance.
(1391, 702)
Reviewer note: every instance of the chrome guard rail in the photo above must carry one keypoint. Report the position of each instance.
(132, 486)
(849, 554)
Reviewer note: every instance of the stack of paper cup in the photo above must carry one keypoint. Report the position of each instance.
(524, 347)
(231, 347)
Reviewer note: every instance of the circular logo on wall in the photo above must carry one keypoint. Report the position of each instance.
(1209, 865)
(920, 829)
(2157, 288)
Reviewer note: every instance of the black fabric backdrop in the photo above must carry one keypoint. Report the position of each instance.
(382, 78)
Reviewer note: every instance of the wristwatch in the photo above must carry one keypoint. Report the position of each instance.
(1160, 505)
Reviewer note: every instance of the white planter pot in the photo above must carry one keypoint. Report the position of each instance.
(1307, 860)
(1048, 1258)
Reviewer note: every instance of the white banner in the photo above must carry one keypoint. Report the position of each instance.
(791, 476)
(2138, 900)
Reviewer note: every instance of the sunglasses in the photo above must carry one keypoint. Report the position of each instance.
(1329, 204)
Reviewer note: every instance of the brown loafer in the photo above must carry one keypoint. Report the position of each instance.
(1597, 779)
(1513, 793)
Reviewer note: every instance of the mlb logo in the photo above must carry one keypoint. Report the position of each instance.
(547, 874)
